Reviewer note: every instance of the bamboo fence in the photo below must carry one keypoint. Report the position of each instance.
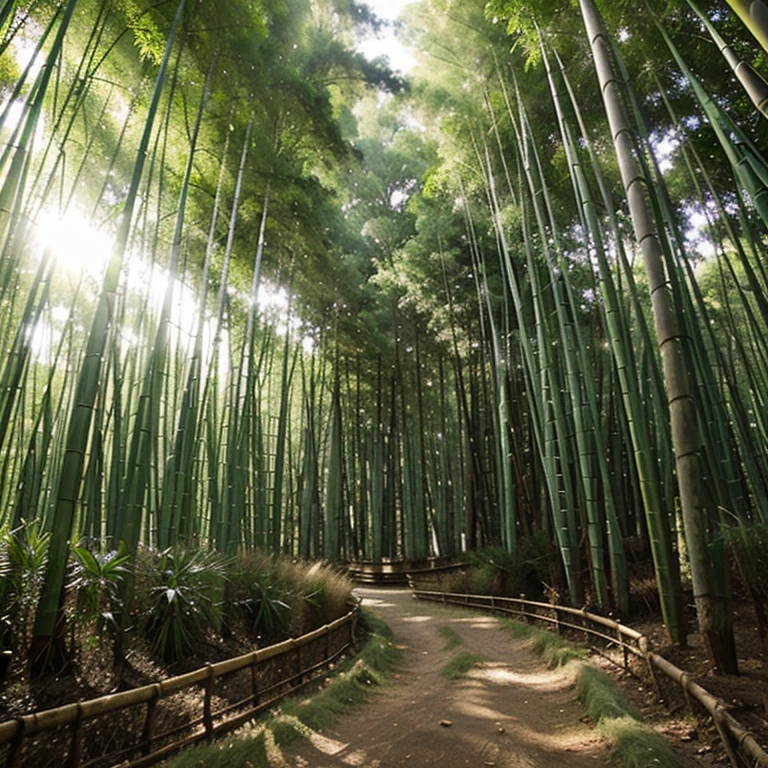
(142, 728)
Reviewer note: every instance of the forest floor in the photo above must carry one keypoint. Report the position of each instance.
(508, 710)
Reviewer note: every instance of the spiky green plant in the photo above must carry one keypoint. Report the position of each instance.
(177, 602)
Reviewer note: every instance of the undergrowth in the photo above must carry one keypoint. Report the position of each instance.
(634, 742)
(352, 684)
(459, 665)
(452, 639)
(548, 646)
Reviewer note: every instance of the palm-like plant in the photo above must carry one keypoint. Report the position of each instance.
(96, 578)
(180, 600)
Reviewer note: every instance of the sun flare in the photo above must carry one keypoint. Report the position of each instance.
(77, 245)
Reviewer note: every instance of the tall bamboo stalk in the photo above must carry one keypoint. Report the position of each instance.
(713, 611)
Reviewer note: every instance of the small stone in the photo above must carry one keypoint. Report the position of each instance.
(446, 723)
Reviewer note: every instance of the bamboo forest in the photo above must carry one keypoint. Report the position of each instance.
(267, 298)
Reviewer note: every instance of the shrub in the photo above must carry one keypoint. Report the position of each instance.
(96, 578)
(23, 555)
(257, 597)
(274, 596)
(748, 545)
(326, 593)
(180, 600)
(496, 571)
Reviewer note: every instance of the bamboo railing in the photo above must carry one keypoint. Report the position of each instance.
(140, 733)
(742, 748)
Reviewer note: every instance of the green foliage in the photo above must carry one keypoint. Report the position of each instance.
(23, 555)
(460, 665)
(451, 638)
(96, 578)
(635, 743)
(549, 646)
(275, 596)
(500, 572)
(599, 695)
(149, 40)
(519, 628)
(748, 544)
(181, 603)
(556, 651)
(255, 594)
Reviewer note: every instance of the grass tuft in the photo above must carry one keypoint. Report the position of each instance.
(634, 742)
(452, 639)
(460, 665)
(548, 646)
(518, 628)
(637, 745)
(556, 651)
(600, 697)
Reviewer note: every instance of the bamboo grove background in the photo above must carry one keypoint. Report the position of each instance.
(258, 292)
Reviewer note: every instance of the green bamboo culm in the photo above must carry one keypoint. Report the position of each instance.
(713, 611)
(46, 650)
(754, 15)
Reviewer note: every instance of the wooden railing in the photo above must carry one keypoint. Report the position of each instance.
(144, 724)
(396, 571)
(740, 745)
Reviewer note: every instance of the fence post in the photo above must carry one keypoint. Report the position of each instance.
(75, 747)
(254, 681)
(299, 667)
(16, 745)
(623, 645)
(327, 643)
(644, 646)
(725, 735)
(149, 722)
(522, 607)
(207, 705)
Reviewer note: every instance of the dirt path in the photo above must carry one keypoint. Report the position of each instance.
(509, 711)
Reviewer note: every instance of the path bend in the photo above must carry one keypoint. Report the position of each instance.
(510, 711)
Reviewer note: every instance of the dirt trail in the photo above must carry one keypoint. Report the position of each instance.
(509, 711)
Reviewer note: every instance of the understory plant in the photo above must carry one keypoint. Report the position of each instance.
(179, 602)
(256, 597)
(273, 596)
(497, 571)
(23, 554)
(749, 546)
(636, 743)
(96, 578)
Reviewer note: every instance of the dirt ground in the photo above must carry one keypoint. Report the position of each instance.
(509, 711)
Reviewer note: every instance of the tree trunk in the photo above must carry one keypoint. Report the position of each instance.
(714, 615)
